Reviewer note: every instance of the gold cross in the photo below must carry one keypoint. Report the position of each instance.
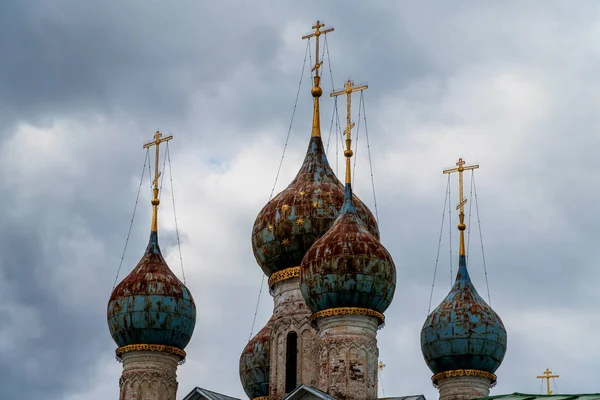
(461, 200)
(547, 376)
(381, 366)
(349, 88)
(158, 139)
(318, 32)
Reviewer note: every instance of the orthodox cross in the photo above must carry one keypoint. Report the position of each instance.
(349, 88)
(158, 139)
(316, 90)
(547, 376)
(461, 200)
(318, 32)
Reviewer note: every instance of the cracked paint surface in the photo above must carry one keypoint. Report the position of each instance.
(294, 219)
(463, 332)
(151, 305)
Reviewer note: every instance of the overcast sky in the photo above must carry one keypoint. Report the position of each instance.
(510, 85)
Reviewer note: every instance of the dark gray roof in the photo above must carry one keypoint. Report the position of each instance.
(523, 396)
(204, 394)
(303, 389)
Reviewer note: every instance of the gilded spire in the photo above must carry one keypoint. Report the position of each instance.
(316, 91)
(158, 139)
(461, 200)
(349, 88)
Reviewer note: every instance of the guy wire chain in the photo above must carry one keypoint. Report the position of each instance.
(437, 257)
(335, 112)
(481, 240)
(162, 175)
(356, 141)
(331, 125)
(262, 281)
(469, 220)
(168, 153)
(132, 217)
(369, 153)
(326, 49)
(450, 232)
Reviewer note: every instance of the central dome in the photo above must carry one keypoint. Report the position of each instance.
(294, 219)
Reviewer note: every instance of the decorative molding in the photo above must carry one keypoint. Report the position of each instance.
(150, 347)
(261, 398)
(464, 372)
(348, 311)
(288, 273)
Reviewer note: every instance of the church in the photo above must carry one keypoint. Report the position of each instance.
(331, 280)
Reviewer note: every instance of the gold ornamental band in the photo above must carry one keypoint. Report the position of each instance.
(464, 372)
(261, 398)
(150, 347)
(288, 273)
(348, 311)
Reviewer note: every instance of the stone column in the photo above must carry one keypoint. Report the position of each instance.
(290, 314)
(465, 387)
(348, 356)
(149, 375)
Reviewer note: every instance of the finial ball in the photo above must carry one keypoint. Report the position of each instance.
(316, 91)
(462, 227)
(348, 153)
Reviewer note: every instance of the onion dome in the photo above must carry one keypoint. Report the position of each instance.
(463, 332)
(348, 267)
(254, 364)
(151, 306)
(291, 222)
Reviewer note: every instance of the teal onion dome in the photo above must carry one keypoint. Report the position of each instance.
(463, 332)
(348, 266)
(294, 219)
(254, 364)
(151, 306)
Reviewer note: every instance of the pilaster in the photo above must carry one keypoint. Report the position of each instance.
(149, 375)
(348, 355)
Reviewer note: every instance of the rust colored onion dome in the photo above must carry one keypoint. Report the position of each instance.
(254, 364)
(290, 223)
(151, 306)
(348, 267)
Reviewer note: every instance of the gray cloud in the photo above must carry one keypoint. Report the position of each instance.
(82, 86)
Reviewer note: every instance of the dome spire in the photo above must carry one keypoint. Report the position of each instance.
(158, 139)
(461, 201)
(316, 91)
(349, 88)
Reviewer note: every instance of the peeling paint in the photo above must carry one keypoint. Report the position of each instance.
(294, 219)
(255, 364)
(348, 267)
(463, 332)
(151, 306)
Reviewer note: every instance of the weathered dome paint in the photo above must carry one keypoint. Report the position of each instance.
(151, 306)
(255, 362)
(290, 223)
(463, 332)
(348, 266)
